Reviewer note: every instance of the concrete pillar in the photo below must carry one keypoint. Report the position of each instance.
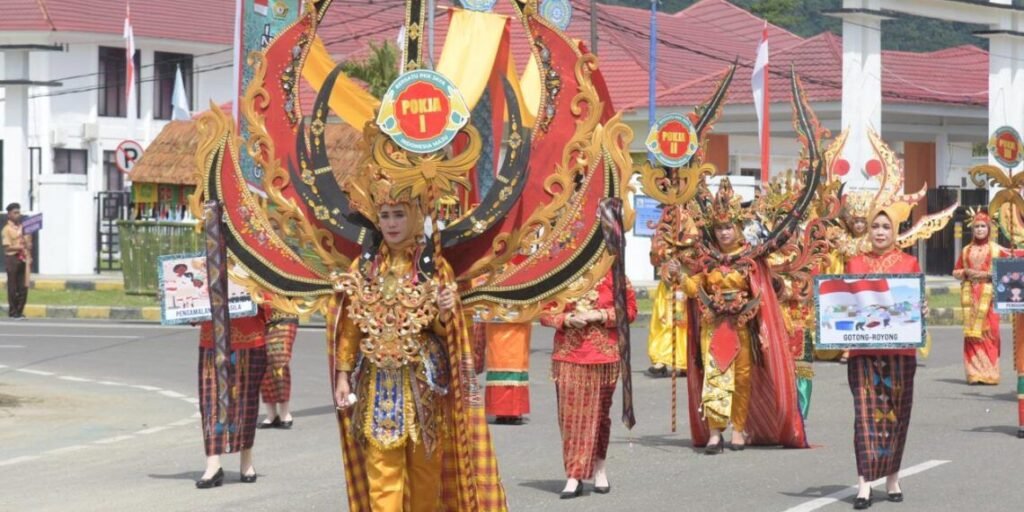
(862, 85)
(15, 129)
(67, 242)
(1005, 81)
(942, 161)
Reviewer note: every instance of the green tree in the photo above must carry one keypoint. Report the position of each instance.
(377, 70)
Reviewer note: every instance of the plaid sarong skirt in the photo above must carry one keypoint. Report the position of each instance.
(883, 395)
(236, 430)
(277, 382)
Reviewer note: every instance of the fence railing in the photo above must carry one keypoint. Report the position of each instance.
(143, 241)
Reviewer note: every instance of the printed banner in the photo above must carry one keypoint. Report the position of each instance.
(185, 293)
(648, 213)
(1008, 284)
(869, 311)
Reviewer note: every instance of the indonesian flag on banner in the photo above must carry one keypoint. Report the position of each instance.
(129, 79)
(861, 292)
(759, 84)
(261, 7)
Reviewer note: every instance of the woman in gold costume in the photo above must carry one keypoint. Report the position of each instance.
(742, 338)
(412, 439)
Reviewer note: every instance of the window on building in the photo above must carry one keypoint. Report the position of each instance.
(70, 161)
(112, 92)
(165, 67)
(113, 178)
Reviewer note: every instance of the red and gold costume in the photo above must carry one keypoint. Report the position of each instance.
(585, 368)
(249, 361)
(981, 323)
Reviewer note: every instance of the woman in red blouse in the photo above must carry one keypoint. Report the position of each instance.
(233, 430)
(585, 368)
(882, 381)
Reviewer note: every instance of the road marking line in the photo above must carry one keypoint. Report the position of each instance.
(182, 423)
(172, 394)
(3, 366)
(12, 346)
(16, 460)
(115, 439)
(817, 503)
(66, 449)
(74, 379)
(145, 388)
(97, 336)
(34, 372)
(191, 400)
(109, 383)
(155, 429)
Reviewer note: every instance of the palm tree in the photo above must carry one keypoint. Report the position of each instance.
(378, 70)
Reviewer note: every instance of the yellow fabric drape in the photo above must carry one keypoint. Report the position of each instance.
(663, 320)
(530, 86)
(527, 114)
(469, 52)
(348, 100)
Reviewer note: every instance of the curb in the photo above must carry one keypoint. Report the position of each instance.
(937, 316)
(71, 284)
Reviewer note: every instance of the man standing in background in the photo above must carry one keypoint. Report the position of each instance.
(16, 256)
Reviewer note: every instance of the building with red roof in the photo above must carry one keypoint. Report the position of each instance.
(61, 82)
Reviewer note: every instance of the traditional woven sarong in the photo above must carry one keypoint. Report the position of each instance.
(239, 429)
(508, 364)
(883, 395)
(584, 393)
(277, 382)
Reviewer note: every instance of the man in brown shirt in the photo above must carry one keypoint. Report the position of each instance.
(15, 255)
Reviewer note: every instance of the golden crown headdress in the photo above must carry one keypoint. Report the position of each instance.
(726, 207)
(978, 215)
(889, 198)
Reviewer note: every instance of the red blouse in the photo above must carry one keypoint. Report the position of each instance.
(594, 343)
(246, 333)
(892, 262)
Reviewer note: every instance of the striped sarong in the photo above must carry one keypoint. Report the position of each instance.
(883, 396)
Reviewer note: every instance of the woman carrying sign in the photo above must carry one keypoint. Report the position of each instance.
(882, 380)
(233, 430)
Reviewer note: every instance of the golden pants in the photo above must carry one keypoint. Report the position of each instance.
(389, 470)
(726, 393)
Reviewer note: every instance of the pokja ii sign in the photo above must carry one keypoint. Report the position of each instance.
(422, 111)
(673, 140)
(1006, 146)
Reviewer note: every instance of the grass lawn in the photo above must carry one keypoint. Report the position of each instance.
(944, 300)
(84, 298)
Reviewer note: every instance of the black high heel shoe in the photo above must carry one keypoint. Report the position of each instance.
(270, 424)
(603, 489)
(285, 424)
(862, 503)
(715, 449)
(215, 481)
(249, 479)
(895, 497)
(568, 495)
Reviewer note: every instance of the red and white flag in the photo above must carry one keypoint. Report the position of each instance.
(759, 84)
(129, 79)
(262, 7)
(860, 292)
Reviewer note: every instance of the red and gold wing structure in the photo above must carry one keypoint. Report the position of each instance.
(521, 243)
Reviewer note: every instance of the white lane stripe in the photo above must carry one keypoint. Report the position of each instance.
(16, 460)
(181, 423)
(3, 366)
(154, 430)
(67, 449)
(815, 504)
(172, 394)
(110, 383)
(191, 400)
(115, 439)
(61, 335)
(12, 346)
(74, 379)
(34, 372)
(145, 388)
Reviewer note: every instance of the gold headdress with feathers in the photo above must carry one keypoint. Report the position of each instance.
(726, 207)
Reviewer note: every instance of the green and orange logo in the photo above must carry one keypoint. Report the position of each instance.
(422, 111)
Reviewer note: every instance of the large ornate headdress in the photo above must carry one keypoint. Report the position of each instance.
(314, 220)
(889, 198)
(726, 206)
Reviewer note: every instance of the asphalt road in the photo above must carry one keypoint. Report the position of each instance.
(106, 422)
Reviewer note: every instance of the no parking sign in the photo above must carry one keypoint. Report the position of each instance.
(127, 155)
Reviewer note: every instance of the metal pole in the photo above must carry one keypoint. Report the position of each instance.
(652, 67)
(593, 26)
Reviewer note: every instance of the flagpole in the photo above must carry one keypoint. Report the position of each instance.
(652, 72)
(762, 103)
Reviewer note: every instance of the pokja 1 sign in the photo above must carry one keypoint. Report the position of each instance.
(422, 111)
(1006, 146)
(673, 140)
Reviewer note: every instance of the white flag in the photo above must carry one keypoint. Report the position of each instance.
(179, 101)
(758, 83)
(129, 78)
